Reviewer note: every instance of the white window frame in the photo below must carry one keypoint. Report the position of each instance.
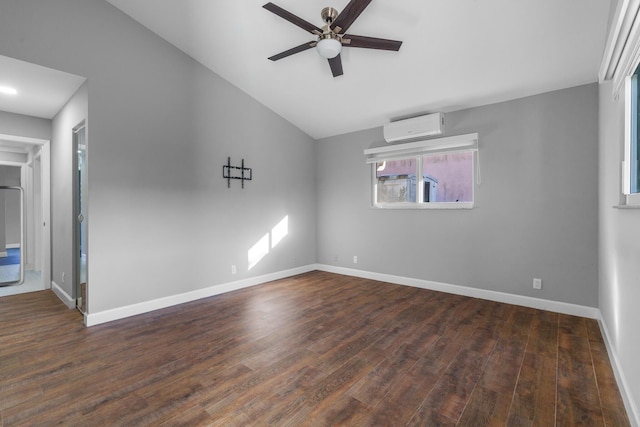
(630, 138)
(417, 150)
(620, 60)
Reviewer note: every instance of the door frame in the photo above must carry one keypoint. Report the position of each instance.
(45, 174)
(77, 293)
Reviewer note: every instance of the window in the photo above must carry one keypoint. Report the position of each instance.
(436, 173)
(396, 181)
(631, 173)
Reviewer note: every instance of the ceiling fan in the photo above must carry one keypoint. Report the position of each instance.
(332, 36)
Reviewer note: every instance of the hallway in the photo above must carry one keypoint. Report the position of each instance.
(32, 281)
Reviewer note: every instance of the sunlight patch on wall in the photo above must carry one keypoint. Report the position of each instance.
(280, 231)
(258, 251)
(261, 248)
(615, 285)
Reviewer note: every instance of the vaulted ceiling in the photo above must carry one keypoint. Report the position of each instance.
(455, 54)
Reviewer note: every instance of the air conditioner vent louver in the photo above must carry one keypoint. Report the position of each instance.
(416, 127)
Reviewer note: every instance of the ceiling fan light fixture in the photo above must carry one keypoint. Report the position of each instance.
(329, 47)
(333, 34)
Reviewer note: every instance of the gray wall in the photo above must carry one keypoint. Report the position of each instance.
(536, 213)
(62, 214)
(161, 219)
(21, 125)
(619, 249)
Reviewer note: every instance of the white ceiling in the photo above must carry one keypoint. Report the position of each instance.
(455, 54)
(42, 92)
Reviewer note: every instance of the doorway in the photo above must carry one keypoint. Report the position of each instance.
(44, 94)
(25, 165)
(81, 215)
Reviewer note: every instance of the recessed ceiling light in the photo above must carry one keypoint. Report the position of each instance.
(8, 90)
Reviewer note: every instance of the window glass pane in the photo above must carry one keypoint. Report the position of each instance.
(448, 177)
(396, 181)
(635, 132)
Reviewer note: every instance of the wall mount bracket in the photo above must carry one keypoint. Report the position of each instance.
(236, 172)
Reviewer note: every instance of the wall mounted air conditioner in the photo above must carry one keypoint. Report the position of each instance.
(417, 127)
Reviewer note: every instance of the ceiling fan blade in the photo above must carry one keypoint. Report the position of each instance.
(349, 14)
(307, 26)
(336, 66)
(351, 40)
(293, 50)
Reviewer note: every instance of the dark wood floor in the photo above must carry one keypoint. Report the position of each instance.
(316, 349)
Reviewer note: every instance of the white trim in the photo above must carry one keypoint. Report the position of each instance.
(616, 38)
(76, 245)
(23, 139)
(627, 206)
(44, 153)
(416, 152)
(632, 409)
(64, 297)
(13, 246)
(92, 319)
(630, 138)
(45, 209)
(622, 49)
(399, 151)
(431, 205)
(632, 200)
(537, 303)
(629, 59)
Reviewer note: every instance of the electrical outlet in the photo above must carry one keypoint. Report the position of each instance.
(63, 277)
(537, 283)
(233, 269)
(355, 259)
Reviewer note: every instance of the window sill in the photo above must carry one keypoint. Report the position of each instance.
(629, 201)
(426, 206)
(626, 206)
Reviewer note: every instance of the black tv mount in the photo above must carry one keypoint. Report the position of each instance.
(236, 172)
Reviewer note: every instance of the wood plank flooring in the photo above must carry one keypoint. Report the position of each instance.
(317, 349)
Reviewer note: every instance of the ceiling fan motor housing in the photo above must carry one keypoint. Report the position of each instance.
(333, 35)
(329, 14)
(329, 43)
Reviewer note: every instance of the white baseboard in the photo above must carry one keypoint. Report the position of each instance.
(92, 319)
(13, 246)
(623, 384)
(64, 297)
(4, 254)
(538, 303)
